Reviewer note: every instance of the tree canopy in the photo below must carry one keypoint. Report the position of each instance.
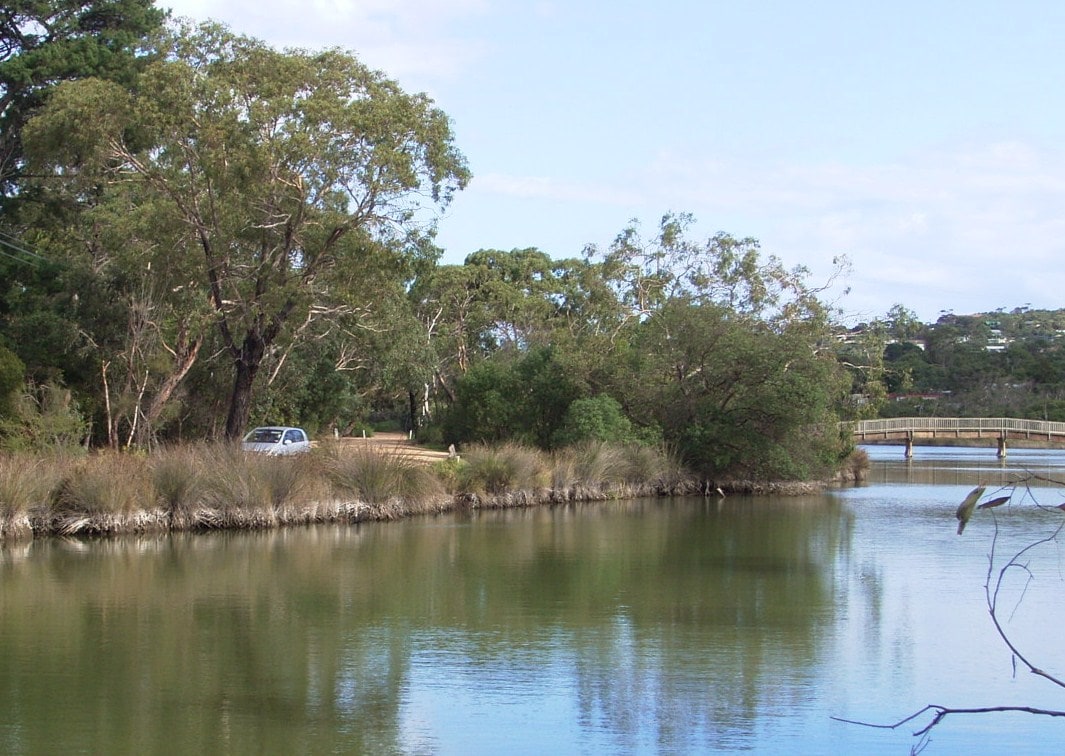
(44, 43)
(272, 176)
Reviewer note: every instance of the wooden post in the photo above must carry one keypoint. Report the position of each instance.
(909, 445)
(1002, 446)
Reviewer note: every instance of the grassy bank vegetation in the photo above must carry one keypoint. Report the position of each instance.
(212, 486)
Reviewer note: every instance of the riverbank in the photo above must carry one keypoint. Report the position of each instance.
(211, 487)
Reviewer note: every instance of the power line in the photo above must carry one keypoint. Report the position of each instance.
(12, 242)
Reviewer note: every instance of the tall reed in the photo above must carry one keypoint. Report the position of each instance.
(499, 469)
(391, 482)
(102, 493)
(234, 492)
(177, 474)
(596, 468)
(25, 485)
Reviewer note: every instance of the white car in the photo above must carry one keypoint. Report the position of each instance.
(277, 440)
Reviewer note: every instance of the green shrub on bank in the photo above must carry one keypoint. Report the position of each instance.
(449, 472)
(41, 418)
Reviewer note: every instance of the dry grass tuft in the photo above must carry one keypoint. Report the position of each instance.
(102, 493)
(26, 484)
(177, 474)
(595, 469)
(856, 466)
(498, 469)
(386, 480)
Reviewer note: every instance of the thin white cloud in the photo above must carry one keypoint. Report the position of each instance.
(542, 187)
(419, 38)
(941, 229)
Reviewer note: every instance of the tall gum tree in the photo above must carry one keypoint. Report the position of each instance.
(285, 167)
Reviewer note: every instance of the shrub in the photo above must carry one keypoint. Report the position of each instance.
(41, 418)
(856, 465)
(597, 418)
(449, 471)
(11, 373)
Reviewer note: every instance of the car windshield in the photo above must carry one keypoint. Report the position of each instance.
(264, 436)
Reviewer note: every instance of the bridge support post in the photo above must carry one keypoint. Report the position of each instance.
(909, 445)
(1002, 446)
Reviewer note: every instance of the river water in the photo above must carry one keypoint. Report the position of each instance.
(649, 626)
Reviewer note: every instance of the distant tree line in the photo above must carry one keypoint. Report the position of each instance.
(199, 232)
(993, 364)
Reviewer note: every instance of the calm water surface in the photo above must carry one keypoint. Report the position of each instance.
(676, 626)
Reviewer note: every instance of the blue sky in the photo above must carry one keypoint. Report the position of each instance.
(923, 140)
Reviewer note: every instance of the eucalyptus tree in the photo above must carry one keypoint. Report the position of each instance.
(648, 273)
(737, 394)
(287, 170)
(729, 352)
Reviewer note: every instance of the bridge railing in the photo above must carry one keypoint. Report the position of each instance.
(1045, 428)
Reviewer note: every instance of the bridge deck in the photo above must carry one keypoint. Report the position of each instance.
(906, 430)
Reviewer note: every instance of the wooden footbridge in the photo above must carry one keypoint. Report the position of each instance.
(956, 431)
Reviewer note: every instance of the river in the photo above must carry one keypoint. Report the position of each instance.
(648, 626)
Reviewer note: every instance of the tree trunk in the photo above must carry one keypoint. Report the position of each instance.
(184, 358)
(246, 367)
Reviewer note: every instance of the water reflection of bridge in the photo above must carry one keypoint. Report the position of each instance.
(957, 431)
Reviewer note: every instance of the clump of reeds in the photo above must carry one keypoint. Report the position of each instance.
(100, 494)
(25, 485)
(498, 469)
(597, 469)
(598, 465)
(856, 465)
(655, 467)
(177, 474)
(391, 482)
(236, 491)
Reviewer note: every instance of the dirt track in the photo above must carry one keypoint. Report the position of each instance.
(396, 443)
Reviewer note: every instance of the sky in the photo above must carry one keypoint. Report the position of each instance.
(922, 140)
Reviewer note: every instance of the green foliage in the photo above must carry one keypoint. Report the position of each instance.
(44, 417)
(597, 418)
(506, 398)
(485, 409)
(48, 42)
(12, 373)
(449, 471)
(739, 397)
(292, 168)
